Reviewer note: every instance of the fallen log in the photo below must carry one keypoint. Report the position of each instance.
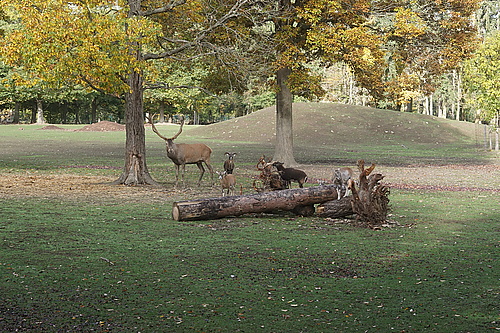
(370, 202)
(336, 208)
(299, 200)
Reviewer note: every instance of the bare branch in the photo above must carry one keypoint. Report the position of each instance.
(162, 85)
(236, 11)
(168, 8)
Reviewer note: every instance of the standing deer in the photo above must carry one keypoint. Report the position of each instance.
(340, 179)
(289, 174)
(227, 182)
(229, 163)
(186, 153)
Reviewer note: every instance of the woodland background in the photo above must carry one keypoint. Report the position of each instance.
(467, 89)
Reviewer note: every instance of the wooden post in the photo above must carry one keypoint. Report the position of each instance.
(289, 200)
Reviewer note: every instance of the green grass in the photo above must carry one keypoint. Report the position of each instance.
(112, 264)
(257, 273)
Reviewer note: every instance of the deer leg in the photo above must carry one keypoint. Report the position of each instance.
(183, 172)
(211, 170)
(177, 174)
(202, 171)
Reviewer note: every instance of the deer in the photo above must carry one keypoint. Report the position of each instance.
(186, 153)
(289, 174)
(227, 182)
(340, 179)
(229, 163)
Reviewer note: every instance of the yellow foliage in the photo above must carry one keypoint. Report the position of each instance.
(408, 24)
(91, 41)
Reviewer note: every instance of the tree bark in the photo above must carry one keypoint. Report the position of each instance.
(335, 208)
(39, 112)
(289, 200)
(93, 110)
(17, 109)
(284, 129)
(135, 171)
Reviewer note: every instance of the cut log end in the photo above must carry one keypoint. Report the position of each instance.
(175, 212)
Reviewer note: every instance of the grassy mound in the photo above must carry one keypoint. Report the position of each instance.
(338, 133)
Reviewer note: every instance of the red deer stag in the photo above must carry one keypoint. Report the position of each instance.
(184, 153)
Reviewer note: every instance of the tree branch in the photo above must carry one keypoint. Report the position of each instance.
(163, 85)
(237, 10)
(168, 8)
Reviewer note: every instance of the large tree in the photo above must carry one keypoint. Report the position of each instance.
(111, 46)
(327, 30)
(394, 48)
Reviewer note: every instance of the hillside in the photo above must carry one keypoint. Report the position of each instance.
(333, 131)
(339, 123)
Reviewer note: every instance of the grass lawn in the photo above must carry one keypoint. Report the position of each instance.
(71, 266)
(78, 256)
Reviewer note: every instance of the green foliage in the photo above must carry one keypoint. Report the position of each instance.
(423, 40)
(482, 76)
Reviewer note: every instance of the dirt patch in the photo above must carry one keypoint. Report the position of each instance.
(102, 126)
(98, 188)
(91, 189)
(52, 128)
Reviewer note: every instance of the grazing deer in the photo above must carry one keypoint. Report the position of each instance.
(340, 179)
(184, 153)
(289, 174)
(227, 182)
(229, 163)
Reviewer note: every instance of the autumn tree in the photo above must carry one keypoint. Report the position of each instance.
(327, 30)
(424, 39)
(483, 79)
(112, 46)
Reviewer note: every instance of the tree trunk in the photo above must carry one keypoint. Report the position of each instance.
(497, 147)
(93, 110)
(64, 112)
(135, 171)
(284, 130)
(39, 112)
(162, 112)
(299, 200)
(335, 208)
(17, 109)
(33, 113)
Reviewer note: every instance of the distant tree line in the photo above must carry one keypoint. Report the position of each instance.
(456, 94)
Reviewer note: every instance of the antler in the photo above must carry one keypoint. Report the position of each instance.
(154, 128)
(180, 129)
